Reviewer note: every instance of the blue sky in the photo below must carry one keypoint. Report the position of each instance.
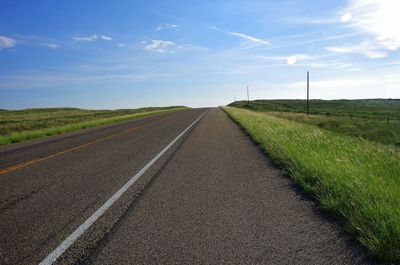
(127, 54)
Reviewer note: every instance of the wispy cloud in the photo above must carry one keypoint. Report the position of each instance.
(369, 18)
(87, 38)
(249, 38)
(243, 36)
(54, 80)
(92, 38)
(288, 59)
(216, 28)
(304, 41)
(50, 45)
(6, 42)
(378, 18)
(105, 37)
(167, 26)
(331, 65)
(310, 21)
(365, 48)
(314, 61)
(160, 46)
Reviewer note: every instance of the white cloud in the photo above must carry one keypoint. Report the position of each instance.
(367, 49)
(313, 61)
(6, 42)
(87, 38)
(121, 45)
(249, 38)
(167, 26)
(215, 28)
(51, 45)
(93, 37)
(274, 58)
(295, 58)
(291, 60)
(243, 36)
(346, 17)
(33, 41)
(104, 37)
(160, 46)
(380, 18)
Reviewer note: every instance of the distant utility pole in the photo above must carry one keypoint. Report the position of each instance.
(248, 98)
(308, 93)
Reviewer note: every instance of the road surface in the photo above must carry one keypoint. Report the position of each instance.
(209, 197)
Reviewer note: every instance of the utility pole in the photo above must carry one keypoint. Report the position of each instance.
(248, 98)
(308, 93)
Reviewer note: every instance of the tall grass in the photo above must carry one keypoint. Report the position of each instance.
(356, 180)
(366, 118)
(378, 109)
(370, 129)
(17, 121)
(49, 119)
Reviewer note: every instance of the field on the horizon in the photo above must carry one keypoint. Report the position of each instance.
(376, 120)
(362, 108)
(21, 125)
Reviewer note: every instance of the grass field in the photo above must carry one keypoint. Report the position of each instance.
(367, 119)
(378, 109)
(353, 179)
(21, 125)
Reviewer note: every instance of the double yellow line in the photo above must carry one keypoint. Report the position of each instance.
(37, 160)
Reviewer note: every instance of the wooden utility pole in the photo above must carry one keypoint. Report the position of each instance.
(308, 93)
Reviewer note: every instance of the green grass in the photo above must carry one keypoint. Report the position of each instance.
(363, 108)
(359, 118)
(357, 181)
(370, 129)
(22, 125)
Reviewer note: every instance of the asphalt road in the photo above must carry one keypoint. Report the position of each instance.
(211, 198)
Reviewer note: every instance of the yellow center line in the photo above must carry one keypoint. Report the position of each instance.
(37, 160)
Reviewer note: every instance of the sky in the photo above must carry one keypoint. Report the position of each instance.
(128, 54)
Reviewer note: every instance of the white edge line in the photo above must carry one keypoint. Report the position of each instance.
(57, 252)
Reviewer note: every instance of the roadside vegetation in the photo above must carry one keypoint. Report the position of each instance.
(370, 129)
(376, 120)
(353, 179)
(362, 108)
(21, 125)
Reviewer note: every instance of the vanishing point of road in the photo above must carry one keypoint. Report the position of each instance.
(187, 187)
